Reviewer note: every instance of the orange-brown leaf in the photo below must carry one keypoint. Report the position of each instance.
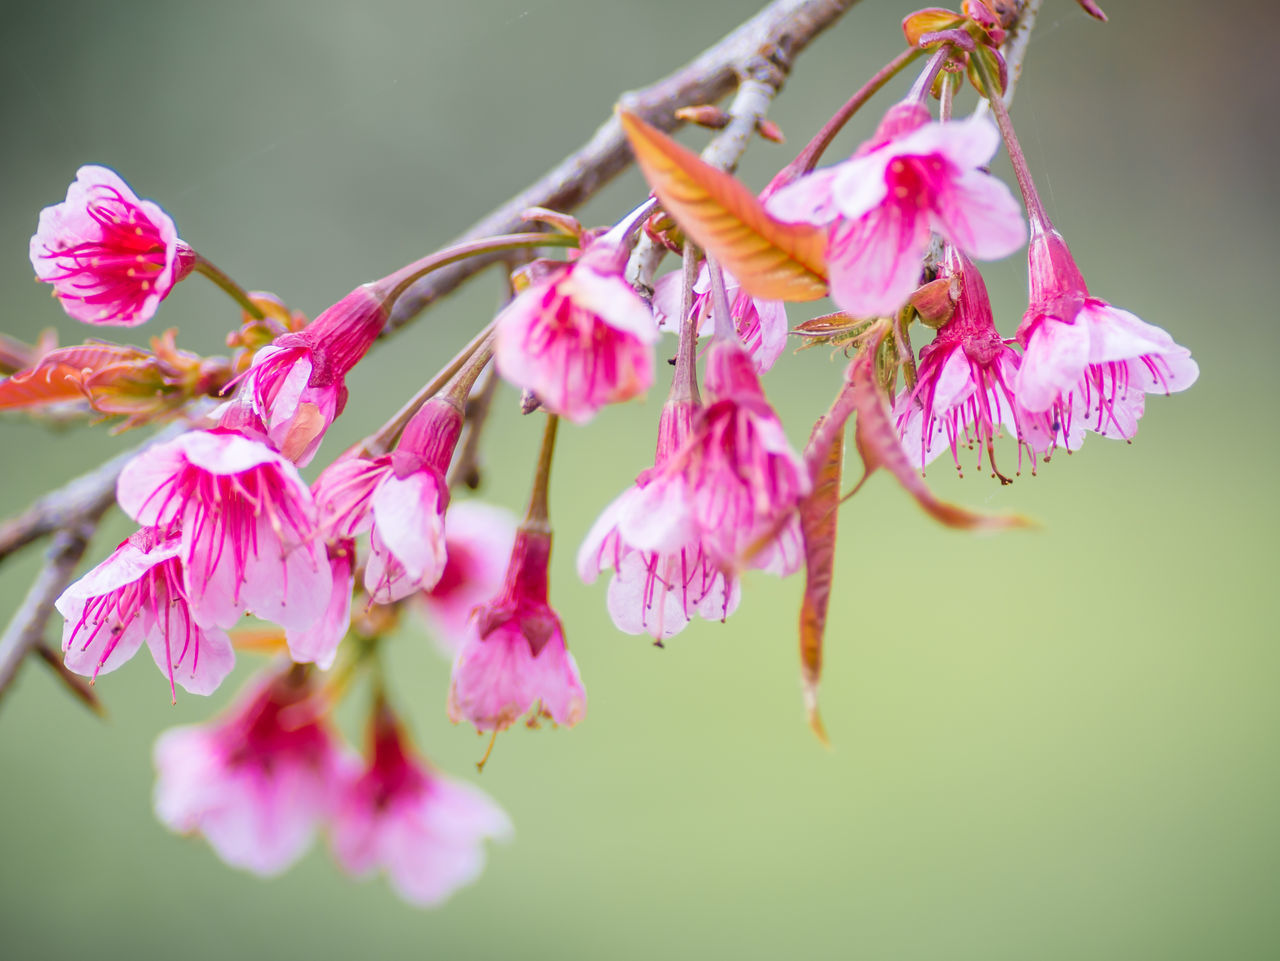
(60, 376)
(818, 525)
(878, 444)
(770, 259)
(929, 20)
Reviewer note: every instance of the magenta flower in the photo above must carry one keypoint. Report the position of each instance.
(400, 498)
(963, 393)
(1086, 363)
(297, 384)
(137, 595)
(915, 176)
(478, 540)
(743, 478)
(579, 338)
(247, 525)
(515, 660)
(258, 782)
(663, 575)
(398, 814)
(110, 257)
(761, 324)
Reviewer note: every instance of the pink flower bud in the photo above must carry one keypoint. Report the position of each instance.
(110, 257)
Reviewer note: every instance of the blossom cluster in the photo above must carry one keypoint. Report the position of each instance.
(228, 527)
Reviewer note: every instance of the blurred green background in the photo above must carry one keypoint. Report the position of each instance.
(1058, 744)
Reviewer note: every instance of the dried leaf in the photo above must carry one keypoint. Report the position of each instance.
(878, 445)
(770, 259)
(818, 524)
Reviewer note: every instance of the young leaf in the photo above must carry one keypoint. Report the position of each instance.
(60, 375)
(770, 259)
(878, 445)
(818, 525)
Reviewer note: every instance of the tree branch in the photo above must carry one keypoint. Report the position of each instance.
(778, 34)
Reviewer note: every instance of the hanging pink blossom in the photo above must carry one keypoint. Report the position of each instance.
(515, 660)
(398, 814)
(136, 595)
(761, 324)
(963, 393)
(247, 525)
(256, 783)
(915, 176)
(318, 643)
(579, 338)
(663, 575)
(1085, 363)
(478, 541)
(110, 257)
(297, 384)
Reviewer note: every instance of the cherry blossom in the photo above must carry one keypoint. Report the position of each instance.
(761, 324)
(396, 813)
(136, 595)
(914, 177)
(257, 783)
(110, 257)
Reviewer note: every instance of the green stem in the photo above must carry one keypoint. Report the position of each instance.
(233, 290)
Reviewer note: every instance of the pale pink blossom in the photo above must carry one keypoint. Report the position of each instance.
(110, 257)
(136, 595)
(914, 177)
(257, 783)
(247, 525)
(761, 324)
(478, 541)
(1086, 364)
(514, 660)
(963, 395)
(400, 499)
(400, 815)
(744, 480)
(663, 575)
(580, 337)
(318, 644)
(297, 384)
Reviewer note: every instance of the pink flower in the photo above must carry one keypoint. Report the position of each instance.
(478, 541)
(110, 257)
(137, 595)
(319, 642)
(247, 526)
(401, 499)
(964, 392)
(1086, 363)
(515, 659)
(297, 384)
(579, 338)
(913, 177)
(743, 477)
(257, 783)
(663, 575)
(761, 324)
(400, 815)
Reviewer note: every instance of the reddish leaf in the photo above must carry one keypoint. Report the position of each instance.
(878, 444)
(771, 259)
(61, 375)
(818, 524)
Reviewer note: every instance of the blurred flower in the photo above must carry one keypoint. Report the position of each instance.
(478, 539)
(110, 257)
(913, 177)
(514, 659)
(580, 337)
(1086, 363)
(761, 324)
(398, 814)
(663, 576)
(137, 595)
(256, 783)
(247, 524)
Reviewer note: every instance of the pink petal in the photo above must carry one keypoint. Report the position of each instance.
(875, 262)
(979, 214)
(807, 200)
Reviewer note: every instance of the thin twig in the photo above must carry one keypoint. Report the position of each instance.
(26, 628)
(781, 31)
